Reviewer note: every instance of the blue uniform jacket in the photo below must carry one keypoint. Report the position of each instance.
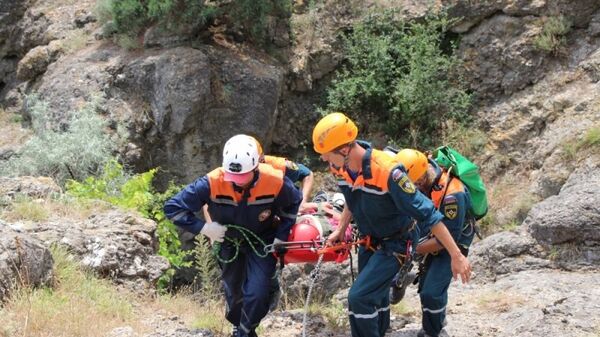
(454, 206)
(255, 208)
(383, 200)
(297, 172)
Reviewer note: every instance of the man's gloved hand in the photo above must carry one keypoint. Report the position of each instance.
(214, 231)
(278, 247)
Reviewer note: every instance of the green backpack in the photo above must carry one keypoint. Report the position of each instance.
(468, 173)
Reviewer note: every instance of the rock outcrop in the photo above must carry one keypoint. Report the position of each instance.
(571, 219)
(33, 187)
(186, 102)
(332, 277)
(180, 105)
(183, 95)
(559, 232)
(36, 61)
(24, 261)
(115, 244)
(506, 252)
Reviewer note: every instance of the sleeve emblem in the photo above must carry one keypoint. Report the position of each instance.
(406, 185)
(450, 211)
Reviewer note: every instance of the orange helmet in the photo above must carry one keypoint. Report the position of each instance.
(332, 131)
(414, 161)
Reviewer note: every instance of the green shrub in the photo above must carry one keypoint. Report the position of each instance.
(118, 188)
(251, 15)
(397, 78)
(552, 38)
(136, 192)
(172, 13)
(590, 139)
(168, 238)
(103, 10)
(71, 149)
(131, 17)
(208, 269)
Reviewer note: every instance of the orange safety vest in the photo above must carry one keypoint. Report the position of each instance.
(278, 163)
(265, 190)
(381, 166)
(455, 186)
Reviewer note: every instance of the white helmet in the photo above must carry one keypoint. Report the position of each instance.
(240, 155)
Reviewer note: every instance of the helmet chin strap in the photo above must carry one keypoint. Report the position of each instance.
(346, 156)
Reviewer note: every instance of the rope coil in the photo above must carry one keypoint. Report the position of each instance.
(247, 235)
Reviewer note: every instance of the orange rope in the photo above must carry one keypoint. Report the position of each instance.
(366, 242)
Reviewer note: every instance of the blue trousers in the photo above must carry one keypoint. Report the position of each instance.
(247, 281)
(368, 299)
(433, 290)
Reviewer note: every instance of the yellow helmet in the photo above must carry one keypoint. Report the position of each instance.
(414, 161)
(332, 131)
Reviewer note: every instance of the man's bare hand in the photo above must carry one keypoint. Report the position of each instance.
(462, 267)
(334, 237)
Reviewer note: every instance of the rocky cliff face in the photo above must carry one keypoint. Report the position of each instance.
(47, 50)
(178, 104)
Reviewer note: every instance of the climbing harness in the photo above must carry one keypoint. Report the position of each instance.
(406, 264)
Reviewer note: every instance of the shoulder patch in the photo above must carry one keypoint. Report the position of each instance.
(451, 211)
(291, 165)
(406, 185)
